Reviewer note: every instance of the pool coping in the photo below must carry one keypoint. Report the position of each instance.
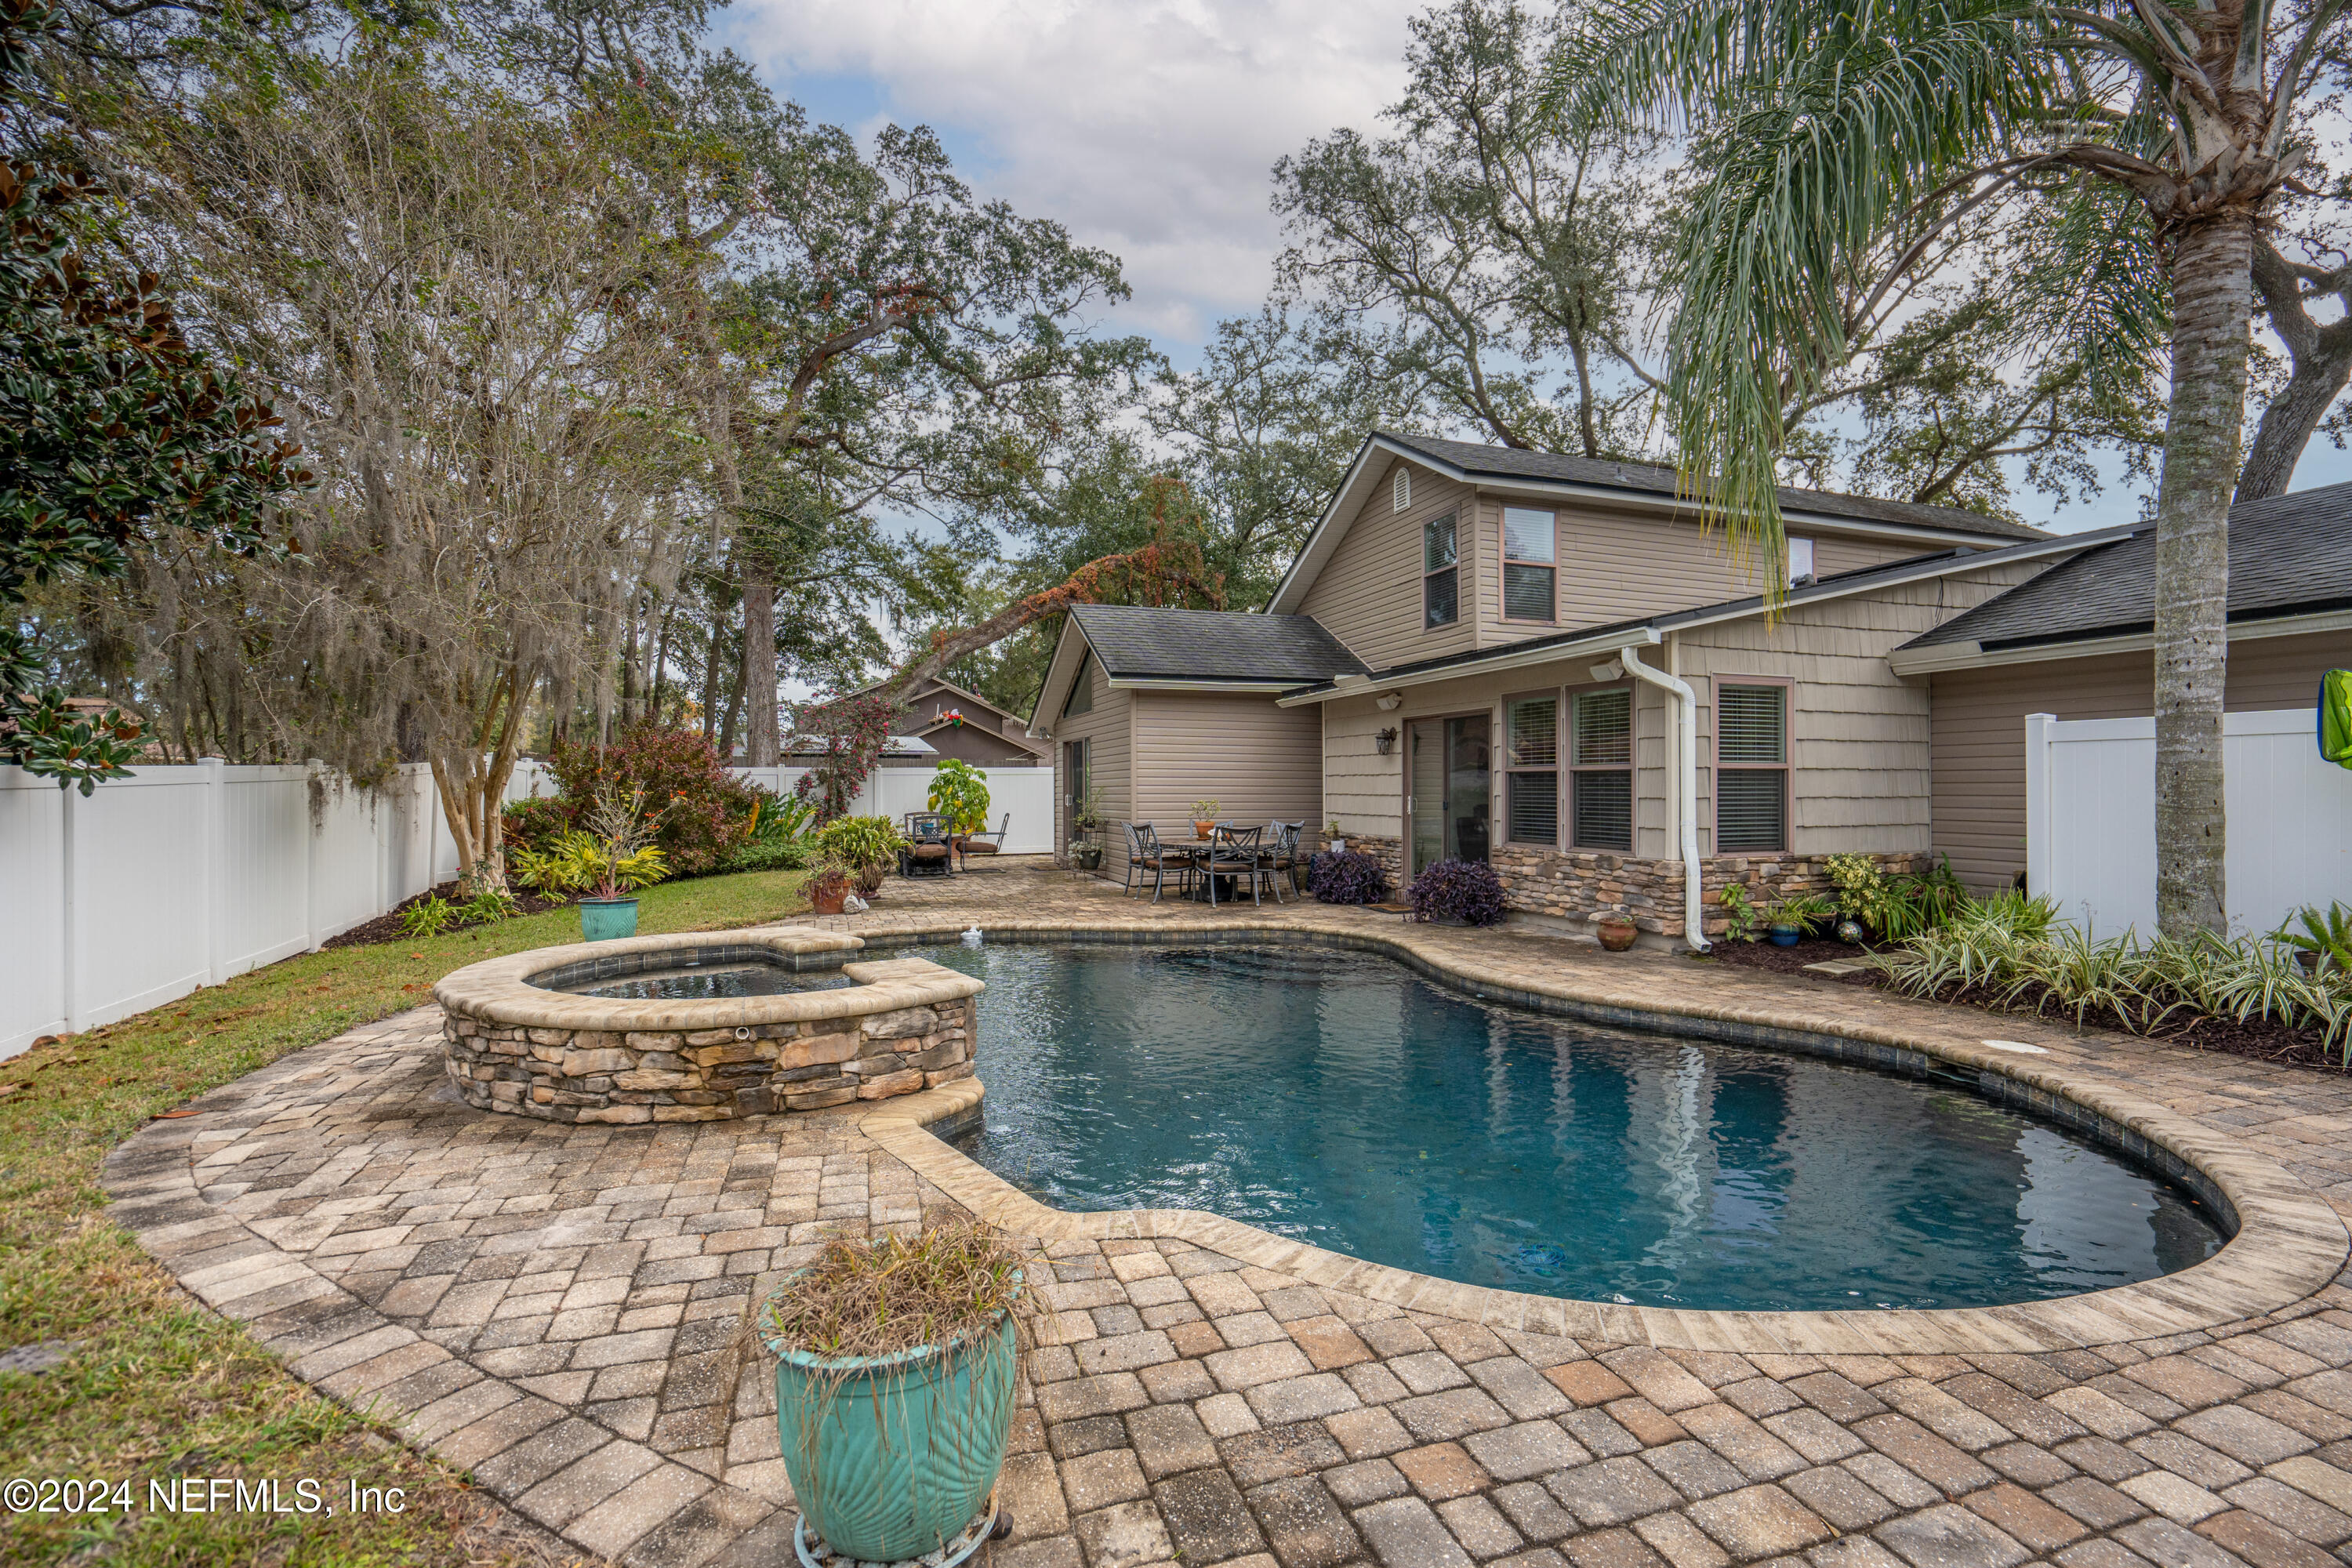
(2289, 1243)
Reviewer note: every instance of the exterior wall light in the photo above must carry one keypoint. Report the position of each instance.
(1385, 742)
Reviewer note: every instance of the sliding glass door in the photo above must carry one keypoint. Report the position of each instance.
(1450, 783)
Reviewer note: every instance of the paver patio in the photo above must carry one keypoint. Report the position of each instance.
(558, 1308)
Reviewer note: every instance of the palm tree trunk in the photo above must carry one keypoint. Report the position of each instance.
(2212, 289)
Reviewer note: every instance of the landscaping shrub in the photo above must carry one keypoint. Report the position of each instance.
(537, 823)
(1349, 878)
(2009, 953)
(771, 855)
(865, 846)
(1900, 907)
(1464, 890)
(703, 809)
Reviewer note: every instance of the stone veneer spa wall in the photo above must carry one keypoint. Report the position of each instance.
(519, 1048)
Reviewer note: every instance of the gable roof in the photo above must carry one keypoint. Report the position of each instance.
(2291, 554)
(1641, 484)
(1646, 630)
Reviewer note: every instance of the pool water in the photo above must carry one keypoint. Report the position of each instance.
(750, 979)
(1341, 1100)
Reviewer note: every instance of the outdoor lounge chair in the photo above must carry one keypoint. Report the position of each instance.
(968, 845)
(1146, 853)
(929, 854)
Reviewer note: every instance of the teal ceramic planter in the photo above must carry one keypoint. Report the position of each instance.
(604, 919)
(891, 1457)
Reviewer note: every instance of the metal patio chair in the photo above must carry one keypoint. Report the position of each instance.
(1237, 852)
(1146, 853)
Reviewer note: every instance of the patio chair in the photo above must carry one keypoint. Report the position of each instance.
(929, 854)
(968, 845)
(1237, 852)
(1146, 853)
(1286, 860)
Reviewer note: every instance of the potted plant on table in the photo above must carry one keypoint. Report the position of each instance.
(894, 1367)
(1205, 816)
(614, 858)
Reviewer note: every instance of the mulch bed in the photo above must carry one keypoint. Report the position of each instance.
(386, 928)
(2262, 1041)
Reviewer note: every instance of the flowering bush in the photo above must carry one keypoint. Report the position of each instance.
(703, 810)
(1464, 890)
(1349, 878)
(535, 824)
(849, 732)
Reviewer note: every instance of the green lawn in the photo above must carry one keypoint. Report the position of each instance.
(156, 1386)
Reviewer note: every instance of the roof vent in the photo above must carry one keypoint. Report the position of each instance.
(1401, 490)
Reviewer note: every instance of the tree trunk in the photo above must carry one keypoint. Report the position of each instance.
(2321, 357)
(760, 740)
(711, 683)
(2212, 289)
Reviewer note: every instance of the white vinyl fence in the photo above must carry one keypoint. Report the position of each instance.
(1025, 794)
(182, 876)
(2090, 814)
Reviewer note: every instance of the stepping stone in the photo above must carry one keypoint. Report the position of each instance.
(1839, 966)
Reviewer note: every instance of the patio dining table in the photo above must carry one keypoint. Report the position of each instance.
(1198, 851)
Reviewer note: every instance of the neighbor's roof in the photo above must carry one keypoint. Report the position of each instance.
(895, 746)
(2289, 555)
(1480, 461)
(1137, 642)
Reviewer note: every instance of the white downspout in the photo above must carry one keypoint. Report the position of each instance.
(1679, 694)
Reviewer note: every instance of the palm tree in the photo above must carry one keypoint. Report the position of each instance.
(2137, 132)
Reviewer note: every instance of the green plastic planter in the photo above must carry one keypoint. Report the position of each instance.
(890, 1456)
(604, 919)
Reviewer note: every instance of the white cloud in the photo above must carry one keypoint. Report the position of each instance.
(1146, 126)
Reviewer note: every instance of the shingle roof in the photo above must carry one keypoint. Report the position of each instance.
(2291, 553)
(1135, 641)
(1505, 462)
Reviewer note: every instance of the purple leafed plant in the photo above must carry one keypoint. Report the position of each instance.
(1464, 890)
(1347, 878)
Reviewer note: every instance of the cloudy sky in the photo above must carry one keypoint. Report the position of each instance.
(1147, 126)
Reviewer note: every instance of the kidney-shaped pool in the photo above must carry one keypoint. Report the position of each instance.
(1339, 1099)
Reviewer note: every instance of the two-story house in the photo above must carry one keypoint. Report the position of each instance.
(1543, 662)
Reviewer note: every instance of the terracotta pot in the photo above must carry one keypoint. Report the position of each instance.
(825, 898)
(1200, 830)
(870, 883)
(1615, 935)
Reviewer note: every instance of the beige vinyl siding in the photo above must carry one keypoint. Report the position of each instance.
(1368, 594)
(1615, 566)
(1109, 728)
(1259, 762)
(1362, 790)
(1859, 736)
(1980, 731)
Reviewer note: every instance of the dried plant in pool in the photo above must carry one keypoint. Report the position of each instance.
(886, 1295)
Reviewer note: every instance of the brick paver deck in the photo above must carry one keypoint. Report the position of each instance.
(558, 1308)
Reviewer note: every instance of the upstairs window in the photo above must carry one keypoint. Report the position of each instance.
(1082, 690)
(1531, 763)
(1800, 562)
(1440, 600)
(1601, 755)
(1530, 569)
(1751, 768)
(1401, 490)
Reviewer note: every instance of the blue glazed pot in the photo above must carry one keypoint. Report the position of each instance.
(604, 919)
(1787, 936)
(891, 1457)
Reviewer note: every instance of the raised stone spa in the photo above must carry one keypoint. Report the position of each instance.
(698, 1027)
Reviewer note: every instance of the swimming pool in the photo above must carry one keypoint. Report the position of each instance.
(1339, 1099)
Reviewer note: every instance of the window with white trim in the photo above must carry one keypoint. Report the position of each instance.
(1801, 561)
(1530, 564)
(1601, 765)
(1531, 769)
(1441, 596)
(1751, 767)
